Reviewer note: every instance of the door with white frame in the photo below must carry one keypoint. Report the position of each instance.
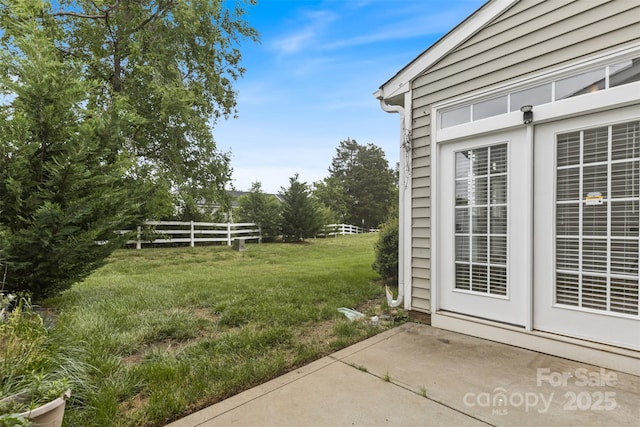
(586, 217)
(484, 214)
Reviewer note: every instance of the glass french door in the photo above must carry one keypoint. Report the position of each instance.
(587, 239)
(483, 208)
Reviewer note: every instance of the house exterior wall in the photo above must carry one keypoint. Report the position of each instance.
(530, 37)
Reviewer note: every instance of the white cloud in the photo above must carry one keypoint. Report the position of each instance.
(409, 28)
(314, 23)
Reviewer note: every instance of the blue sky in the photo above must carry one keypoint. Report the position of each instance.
(309, 82)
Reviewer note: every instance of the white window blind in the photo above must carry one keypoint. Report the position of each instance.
(481, 220)
(597, 218)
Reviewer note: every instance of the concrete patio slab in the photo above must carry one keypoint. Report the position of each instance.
(418, 375)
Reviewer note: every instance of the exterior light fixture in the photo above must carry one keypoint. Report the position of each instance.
(527, 117)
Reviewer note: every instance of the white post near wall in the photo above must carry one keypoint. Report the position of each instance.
(228, 234)
(193, 237)
(138, 242)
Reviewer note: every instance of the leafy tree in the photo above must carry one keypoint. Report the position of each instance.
(62, 186)
(261, 208)
(368, 183)
(301, 217)
(165, 71)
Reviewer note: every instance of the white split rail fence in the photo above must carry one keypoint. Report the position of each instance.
(341, 229)
(191, 232)
(195, 232)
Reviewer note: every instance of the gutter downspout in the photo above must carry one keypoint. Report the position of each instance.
(403, 237)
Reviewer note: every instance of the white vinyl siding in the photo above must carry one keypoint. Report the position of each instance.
(530, 37)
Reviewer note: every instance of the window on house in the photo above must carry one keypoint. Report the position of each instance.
(481, 220)
(532, 96)
(618, 74)
(624, 72)
(597, 218)
(456, 116)
(591, 81)
(490, 108)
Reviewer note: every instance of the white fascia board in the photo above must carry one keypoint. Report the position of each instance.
(400, 83)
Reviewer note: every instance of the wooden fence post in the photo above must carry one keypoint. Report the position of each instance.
(138, 242)
(193, 237)
(228, 234)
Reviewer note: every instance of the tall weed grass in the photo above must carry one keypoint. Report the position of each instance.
(168, 331)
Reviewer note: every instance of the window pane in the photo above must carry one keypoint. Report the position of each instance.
(624, 218)
(490, 108)
(463, 164)
(596, 145)
(498, 190)
(624, 296)
(498, 161)
(480, 161)
(625, 141)
(462, 248)
(463, 279)
(498, 219)
(479, 278)
(569, 149)
(462, 192)
(455, 117)
(568, 187)
(462, 220)
(533, 96)
(594, 220)
(591, 81)
(498, 280)
(567, 289)
(594, 255)
(624, 257)
(479, 248)
(567, 219)
(595, 180)
(594, 292)
(498, 250)
(567, 254)
(479, 191)
(479, 220)
(624, 72)
(625, 179)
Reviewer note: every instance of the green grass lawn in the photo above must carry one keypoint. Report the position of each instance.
(163, 332)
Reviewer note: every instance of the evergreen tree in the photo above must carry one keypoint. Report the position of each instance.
(301, 217)
(332, 195)
(62, 185)
(261, 208)
(368, 184)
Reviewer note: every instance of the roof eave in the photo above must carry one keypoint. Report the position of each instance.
(399, 84)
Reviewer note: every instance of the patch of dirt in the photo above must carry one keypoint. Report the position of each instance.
(133, 405)
(206, 314)
(316, 333)
(372, 307)
(167, 345)
(174, 345)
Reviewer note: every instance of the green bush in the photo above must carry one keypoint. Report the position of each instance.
(386, 262)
